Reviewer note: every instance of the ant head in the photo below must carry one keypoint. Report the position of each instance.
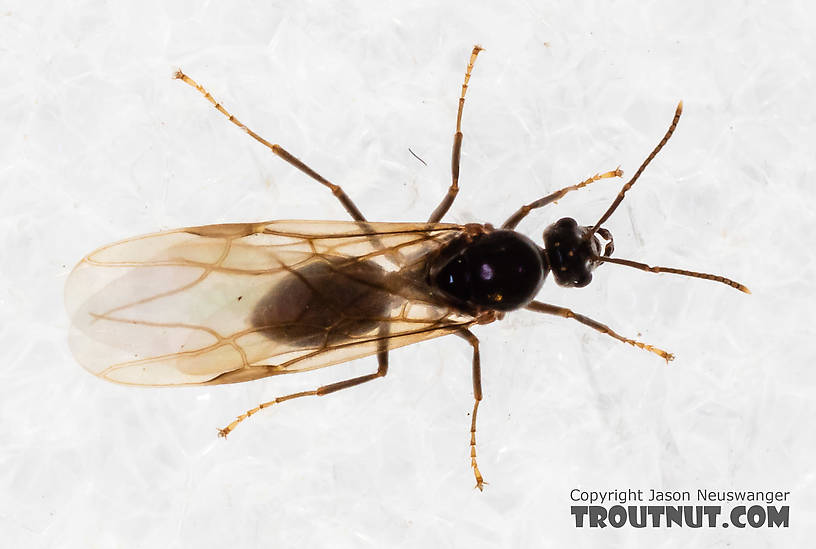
(572, 252)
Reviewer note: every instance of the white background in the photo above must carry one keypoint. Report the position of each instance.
(98, 143)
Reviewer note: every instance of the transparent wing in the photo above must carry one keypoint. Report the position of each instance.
(230, 303)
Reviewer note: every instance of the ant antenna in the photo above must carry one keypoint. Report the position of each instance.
(693, 274)
(631, 182)
(642, 266)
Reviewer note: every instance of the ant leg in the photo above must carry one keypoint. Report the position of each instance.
(468, 336)
(540, 307)
(453, 190)
(382, 369)
(336, 190)
(522, 212)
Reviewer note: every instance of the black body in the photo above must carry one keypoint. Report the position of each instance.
(480, 270)
(500, 270)
(503, 270)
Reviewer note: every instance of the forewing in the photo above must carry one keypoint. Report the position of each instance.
(182, 307)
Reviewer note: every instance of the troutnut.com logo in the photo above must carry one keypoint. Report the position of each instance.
(667, 508)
